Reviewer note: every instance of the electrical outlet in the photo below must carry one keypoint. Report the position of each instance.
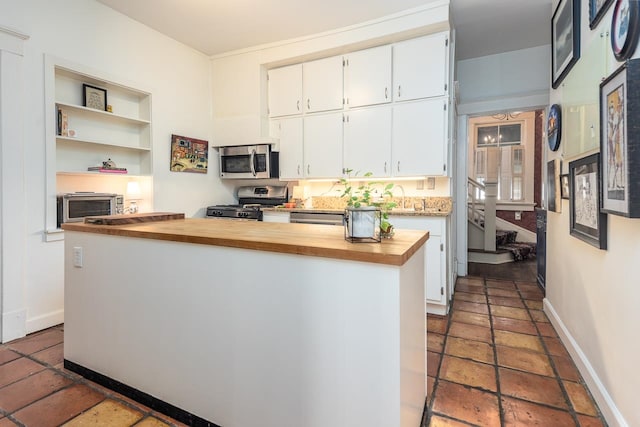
(431, 183)
(518, 215)
(77, 256)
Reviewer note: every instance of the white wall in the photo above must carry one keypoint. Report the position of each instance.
(592, 295)
(88, 33)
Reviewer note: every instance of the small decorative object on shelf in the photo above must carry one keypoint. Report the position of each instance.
(109, 108)
(94, 97)
(108, 166)
(367, 212)
(63, 123)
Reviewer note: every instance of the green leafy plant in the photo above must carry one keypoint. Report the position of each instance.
(369, 193)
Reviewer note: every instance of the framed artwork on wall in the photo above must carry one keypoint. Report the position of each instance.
(597, 9)
(620, 141)
(554, 203)
(587, 222)
(554, 127)
(564, 186)
(189, 154)
(624, 29)
(565, 39)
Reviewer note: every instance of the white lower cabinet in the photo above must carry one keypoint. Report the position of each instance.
(436, 258)
(273, 216)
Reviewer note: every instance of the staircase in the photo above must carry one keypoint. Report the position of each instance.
(486, 244)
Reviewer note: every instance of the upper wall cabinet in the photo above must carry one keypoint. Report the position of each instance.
(368, 77)
(322, 84)
(285, 91)
(420, 67)
(88, 135)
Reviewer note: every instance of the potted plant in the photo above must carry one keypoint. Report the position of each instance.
(368, 206)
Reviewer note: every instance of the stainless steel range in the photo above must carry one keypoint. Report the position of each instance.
(250, 200)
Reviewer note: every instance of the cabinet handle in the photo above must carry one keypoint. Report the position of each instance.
(308, 170)
(298, 170)
(308, 104)
(385, 167)
(398, 91)
(398, 166)
(386, 93)
(298, 105)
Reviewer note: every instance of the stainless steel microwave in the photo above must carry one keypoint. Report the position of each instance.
(248, 162)
(74, 207)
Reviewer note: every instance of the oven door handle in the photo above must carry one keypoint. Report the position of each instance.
(252, 161)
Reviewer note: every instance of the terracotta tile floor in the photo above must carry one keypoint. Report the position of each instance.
(36, 391)
(495, 360)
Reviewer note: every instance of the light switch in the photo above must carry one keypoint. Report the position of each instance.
(77, 256)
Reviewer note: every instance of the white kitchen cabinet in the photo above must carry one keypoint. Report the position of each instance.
(291, 158)
(275, 216)
(436, 290)
(322, 84)
(419, 138)
(368, 77)
(285, 90)
(367, 140)
(420, 67)
(323, 136)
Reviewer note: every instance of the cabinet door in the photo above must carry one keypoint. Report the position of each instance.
(368, 77)
(291, 148)
(419, 138)
(420, 67)
(435, 254)
(323, 145)
(367, 141)
(285, 91)
(322, 84)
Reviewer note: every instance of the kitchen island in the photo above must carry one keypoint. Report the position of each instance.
(232, 323)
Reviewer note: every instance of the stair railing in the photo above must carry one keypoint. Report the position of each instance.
(481, 208)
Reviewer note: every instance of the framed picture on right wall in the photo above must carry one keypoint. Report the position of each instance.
(587, 222)
(620, 141)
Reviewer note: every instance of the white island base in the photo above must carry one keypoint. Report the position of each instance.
(244, 338)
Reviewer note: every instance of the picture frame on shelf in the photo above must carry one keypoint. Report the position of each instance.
(554, 203)
(564, 186)
(189, 154)
(94, 97)
(625, 28)
(597, 10)
(565, 39)
(587, 222)
(620, 141)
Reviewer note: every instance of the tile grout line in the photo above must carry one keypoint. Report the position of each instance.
(501, 412)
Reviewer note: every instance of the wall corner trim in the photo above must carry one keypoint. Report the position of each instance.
(602, 397)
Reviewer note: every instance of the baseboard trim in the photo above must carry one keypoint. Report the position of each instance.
(139, 396)
(13, 325)
(45, 321)
(485, 257)
(602, 397)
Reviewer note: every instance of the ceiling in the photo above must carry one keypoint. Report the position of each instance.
(483, 27)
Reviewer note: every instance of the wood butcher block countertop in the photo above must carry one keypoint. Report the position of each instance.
(304, 239)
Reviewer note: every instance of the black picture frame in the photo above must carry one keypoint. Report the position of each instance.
(554, 127)
(587, 222)
(554, 204)
(564, 186)
(565, 39)
(94, 97)
(620, 141)
(625, 28)
(597, 10)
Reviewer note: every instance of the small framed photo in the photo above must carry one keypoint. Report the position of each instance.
(94, 97)
(624, 29)
(587, 222)
(554, 203)
(620, 141)
(565, 39)
(564, 186)
(189, 154)
(597, 9)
